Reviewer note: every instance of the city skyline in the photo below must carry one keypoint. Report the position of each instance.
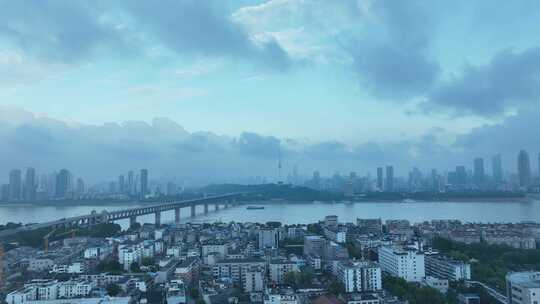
(63, 184)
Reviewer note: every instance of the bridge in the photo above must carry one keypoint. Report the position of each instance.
(95, 218)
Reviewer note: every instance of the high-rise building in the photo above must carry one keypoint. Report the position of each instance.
(359, 276)
(538, 164)
(478, 173)
(80, 187)
(62, 183)
(268, 238)
(380, 179)
(496, 166)
(131, 183)
(402, 262)
(4, 193)
(15, 185)
(121, 184)
(461, 176)
(172, 189)
(144, 183)
(30, 185)
(389, 178)
(524, 168)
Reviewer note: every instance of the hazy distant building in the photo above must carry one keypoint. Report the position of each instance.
(62, 183)
(131, 182)
(478, 173)
(496, 166)
(15, 185)
(144, 183)
(524, 169)
(380, 178)
(4, 193)
(121, 184)
(30, 185)
(316, 180)
(538, 164)
(389, 178)
(461, 176)
(172, 189)
(80, 189)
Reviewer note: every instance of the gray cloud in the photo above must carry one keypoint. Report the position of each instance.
(64, 31)
(393, 60)
(514, 133)
(510, 80)
(74, 31)
(99, 152)
(252, 144)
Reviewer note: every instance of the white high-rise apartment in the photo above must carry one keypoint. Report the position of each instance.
(360, 276)
(403, 262)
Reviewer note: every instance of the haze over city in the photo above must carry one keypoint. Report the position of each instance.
(217, 94)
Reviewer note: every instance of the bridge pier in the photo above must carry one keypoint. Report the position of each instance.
(177, 215)
(193, 210)
(132, 220)
(216, 206)
(158, 219)
(226, 204)
(205, 208)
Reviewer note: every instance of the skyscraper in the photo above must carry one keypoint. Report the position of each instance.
(144, 182)
(496, 166)
(389, 178)
(131, 183)
(62, 183)
(478, 173)
(121, 184)
(80, 187)
(15, 185)
(461, 175)
(380, 178)
(30, 185)
(524, 168)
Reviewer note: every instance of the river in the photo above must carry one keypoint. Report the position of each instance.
(291, 213)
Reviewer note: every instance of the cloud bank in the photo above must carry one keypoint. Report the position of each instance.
(102, 152)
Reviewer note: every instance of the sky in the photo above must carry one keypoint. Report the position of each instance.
(214, 90)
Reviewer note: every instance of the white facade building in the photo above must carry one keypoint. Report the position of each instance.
(523, 287)
(360, 276)
(279, 268)
(406, 263)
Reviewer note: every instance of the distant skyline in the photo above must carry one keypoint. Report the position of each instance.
(212, 89)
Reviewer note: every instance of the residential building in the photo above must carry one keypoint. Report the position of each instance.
(359, 276)
(235, 269)
(254, 279)
(278, 269)
(446, 268)
(403, 262)
(523, 287)
(268, 238)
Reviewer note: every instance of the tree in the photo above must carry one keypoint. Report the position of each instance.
(134, 267)
(147, 261)
(194, 293)
(113, 290)
(336, 288)
(109, 266)
(289, 279)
